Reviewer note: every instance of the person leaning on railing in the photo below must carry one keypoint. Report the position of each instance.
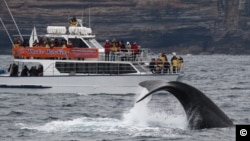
(180, 63)
(163, 57)
(176, 63)
(159, 66)
(113, 50)
(152, 65)
(135, 50)
(107, 50)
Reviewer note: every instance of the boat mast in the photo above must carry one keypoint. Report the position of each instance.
(89, 18)
(7, 32)
(14, 20)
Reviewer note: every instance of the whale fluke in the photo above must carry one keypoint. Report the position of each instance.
(200, 110)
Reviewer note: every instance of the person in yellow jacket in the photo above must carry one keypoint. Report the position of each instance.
(113, 50)
(163, 57)
(174, 62)
(160, 66)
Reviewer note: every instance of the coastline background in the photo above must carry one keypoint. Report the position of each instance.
(186, 27)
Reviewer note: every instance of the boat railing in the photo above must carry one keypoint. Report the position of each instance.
(143, 55)
(91, 68)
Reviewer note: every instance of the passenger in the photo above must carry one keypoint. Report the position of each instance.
(52, 43)
(70, 44)
(163, 57)
(33, 71)
(56, 42)
(140, 54)
(152, 65)
(174, 62)
(113, 50)
(128, 47)
(73, 21)
(122, 45)
(128, 50)
(135, 50)
(159, 66)
(17, 42)
(40, 42)
(64, 43)
(46, 43)
(122, 50)
(179, 65)
(40, 70)
(166, 67)
(118, 46)
(107, 50)
(35, 44)
(13, 69)
(25, 71)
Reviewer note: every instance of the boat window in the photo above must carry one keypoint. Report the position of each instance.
(65, 67)
(81, 68)
(78, 43)
(94, 68)
(103, 68)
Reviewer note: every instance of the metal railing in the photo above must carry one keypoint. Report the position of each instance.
(143, 55)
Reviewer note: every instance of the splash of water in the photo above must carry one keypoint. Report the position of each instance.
(142, 116)
(84, 124)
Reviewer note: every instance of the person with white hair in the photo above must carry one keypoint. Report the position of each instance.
(128, 50)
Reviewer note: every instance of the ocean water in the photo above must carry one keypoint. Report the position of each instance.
(102, 117)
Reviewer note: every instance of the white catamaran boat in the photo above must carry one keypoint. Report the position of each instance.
(70, 60)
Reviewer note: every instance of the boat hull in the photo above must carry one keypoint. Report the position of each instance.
(93, 84)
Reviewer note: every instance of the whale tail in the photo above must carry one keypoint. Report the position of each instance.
(200, 110)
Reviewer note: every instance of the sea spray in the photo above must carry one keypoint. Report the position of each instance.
(139, 113)
(142, 115)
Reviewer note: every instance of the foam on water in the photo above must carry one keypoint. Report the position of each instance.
(84, 124)
(102, 125)
(142, 116)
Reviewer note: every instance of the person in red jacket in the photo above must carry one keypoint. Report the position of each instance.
(107, 50)
(135, 50)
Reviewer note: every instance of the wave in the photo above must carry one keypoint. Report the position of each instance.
(102, 125)
(138, 121)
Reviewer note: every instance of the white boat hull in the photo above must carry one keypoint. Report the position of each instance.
(79, 84)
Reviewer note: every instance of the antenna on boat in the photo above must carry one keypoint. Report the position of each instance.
(82, 15)
(14, 20)
(7, 32)
(89, 17)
